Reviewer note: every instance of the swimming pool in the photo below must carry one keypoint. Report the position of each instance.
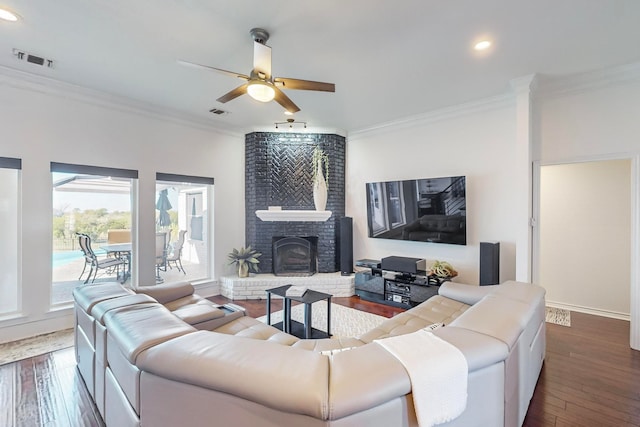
(65, 257)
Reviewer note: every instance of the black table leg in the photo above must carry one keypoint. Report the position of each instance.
(268, 308)
(307, 320)
(286, 321)
(329, 316)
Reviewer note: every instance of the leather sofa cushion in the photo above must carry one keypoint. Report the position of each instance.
(480, 350)
(135, 328)
(327, 344)
(364, 377)
(99, 310)
(248, 327)
(167, 292)
(436, 309)
(87, 296)
(481, 318)
(468, 294)
(198, 313)
(520, 291)
(247, 368)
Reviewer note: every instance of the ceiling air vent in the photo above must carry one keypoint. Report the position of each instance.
(33, 59)
(218, 111)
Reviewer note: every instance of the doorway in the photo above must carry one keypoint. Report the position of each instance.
(584, 236)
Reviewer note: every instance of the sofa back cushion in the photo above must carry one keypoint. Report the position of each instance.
(137, 327)
(277, 376)
(166, 293)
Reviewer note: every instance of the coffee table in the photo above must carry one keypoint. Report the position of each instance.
(301, 330)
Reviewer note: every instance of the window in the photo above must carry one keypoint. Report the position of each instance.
(9, 208)
(182, 213)
(96, 202)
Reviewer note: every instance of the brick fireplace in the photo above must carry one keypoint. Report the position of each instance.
(295, 256)
(278, 173)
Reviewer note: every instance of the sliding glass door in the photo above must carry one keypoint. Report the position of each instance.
(183, 217)
(94, 202)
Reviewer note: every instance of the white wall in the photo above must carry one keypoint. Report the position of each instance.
(593, 122)
(479, 144)
(44, 121)
(595, 117)
(585, 235)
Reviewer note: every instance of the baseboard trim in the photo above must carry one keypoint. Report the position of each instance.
(590, 310)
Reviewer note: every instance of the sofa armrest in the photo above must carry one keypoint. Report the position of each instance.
(468, 294)
(165, 293)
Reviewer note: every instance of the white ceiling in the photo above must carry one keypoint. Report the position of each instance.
(388, 59)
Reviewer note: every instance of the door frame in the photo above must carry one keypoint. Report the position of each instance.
(634, 294)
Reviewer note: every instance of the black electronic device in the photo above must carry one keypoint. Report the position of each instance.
(368, 263)
(346, 246)
(489, 263)
(426, 210)
(404, 264)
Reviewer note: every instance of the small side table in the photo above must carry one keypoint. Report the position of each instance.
(304, 330)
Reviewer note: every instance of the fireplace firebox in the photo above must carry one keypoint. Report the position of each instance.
(295, 256)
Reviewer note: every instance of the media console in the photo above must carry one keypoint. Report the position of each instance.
(395, 288)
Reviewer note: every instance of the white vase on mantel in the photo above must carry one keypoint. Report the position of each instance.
(320, 189)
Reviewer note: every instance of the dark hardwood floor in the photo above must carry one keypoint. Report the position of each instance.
(590, 378)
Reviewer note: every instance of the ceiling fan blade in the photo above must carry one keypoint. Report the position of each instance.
(304, 84)
(262, 60)
(284, 100)
(240, 90)
(219, 70)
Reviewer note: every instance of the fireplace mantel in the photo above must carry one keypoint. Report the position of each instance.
(293, 215)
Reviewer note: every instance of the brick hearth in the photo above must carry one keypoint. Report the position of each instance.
(253, 287)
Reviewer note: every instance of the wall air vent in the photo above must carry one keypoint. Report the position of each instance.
(218, 111)
(33, 59)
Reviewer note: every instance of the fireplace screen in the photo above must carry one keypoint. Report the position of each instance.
(295, 256)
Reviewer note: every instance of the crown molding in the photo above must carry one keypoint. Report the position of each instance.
(485, 104)
(51, 87)
(553, 86)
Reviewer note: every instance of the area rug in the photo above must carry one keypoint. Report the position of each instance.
(35, 346)
(345, 321)
(558, 316)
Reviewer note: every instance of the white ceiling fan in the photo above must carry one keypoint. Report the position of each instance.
(260, 84)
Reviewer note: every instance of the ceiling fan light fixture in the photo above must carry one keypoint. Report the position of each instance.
(7, 15)
(261, 91)
(482, 45)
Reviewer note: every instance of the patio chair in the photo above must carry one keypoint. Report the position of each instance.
(91, 259)
(161, 254)
(176, 255)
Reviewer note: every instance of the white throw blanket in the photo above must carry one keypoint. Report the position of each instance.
(438, 373)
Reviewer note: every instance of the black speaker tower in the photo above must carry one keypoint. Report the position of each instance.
(489, 263)
(346, 246)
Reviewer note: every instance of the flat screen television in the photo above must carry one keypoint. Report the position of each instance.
(425, 210)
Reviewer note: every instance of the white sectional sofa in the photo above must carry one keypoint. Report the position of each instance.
(150, 367)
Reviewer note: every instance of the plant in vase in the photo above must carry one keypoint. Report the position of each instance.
(246, 259)
(320, 167)
(442, 271)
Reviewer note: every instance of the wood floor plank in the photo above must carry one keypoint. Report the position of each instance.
(81, 410)
(53, 410)
(7, 394)
(27, 411)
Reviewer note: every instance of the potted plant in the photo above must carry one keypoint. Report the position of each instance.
(320, 167)
(246, 259)
(442, 271)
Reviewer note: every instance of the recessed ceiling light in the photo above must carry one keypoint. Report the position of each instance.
(482, 45)
(7, 15)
